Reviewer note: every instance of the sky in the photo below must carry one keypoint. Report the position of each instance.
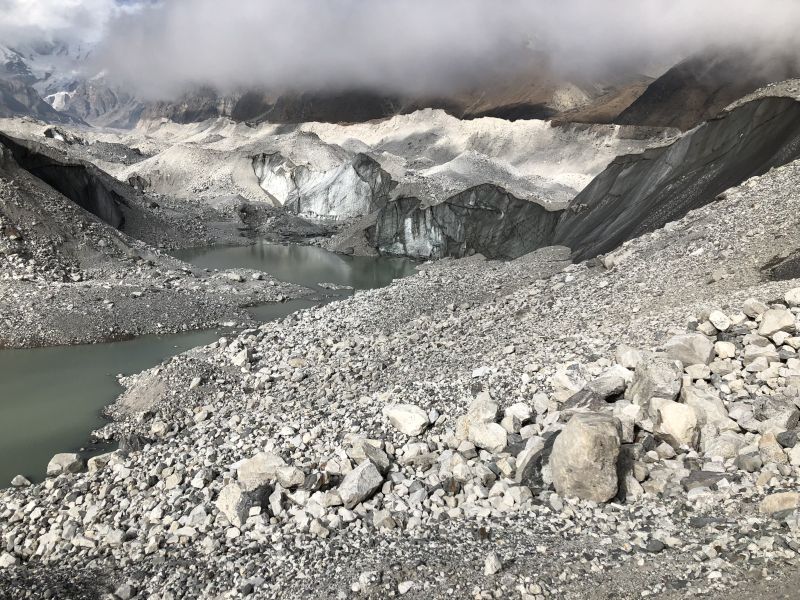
(160, 47)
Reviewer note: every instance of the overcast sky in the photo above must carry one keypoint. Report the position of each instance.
(410, 45)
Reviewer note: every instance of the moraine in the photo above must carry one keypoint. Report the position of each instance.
(51, 398)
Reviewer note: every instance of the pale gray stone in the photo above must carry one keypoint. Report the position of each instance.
(259, 470)
(584, 457)
(68, 462)
(690, 349)
(407, 418)
(235, 503)
(360, 484)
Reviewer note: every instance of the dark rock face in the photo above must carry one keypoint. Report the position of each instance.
(485, 219)
(701, 86)
(635, 194)
(643, 192)
(85, 185)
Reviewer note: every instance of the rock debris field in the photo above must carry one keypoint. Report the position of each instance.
(624, 427)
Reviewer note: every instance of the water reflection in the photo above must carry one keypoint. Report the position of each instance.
(303, 265)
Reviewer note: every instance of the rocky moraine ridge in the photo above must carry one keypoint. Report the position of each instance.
(83, 256)
(623, 427)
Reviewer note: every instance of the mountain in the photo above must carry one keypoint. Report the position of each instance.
(534, 94)
(18, 99)
(699, 87)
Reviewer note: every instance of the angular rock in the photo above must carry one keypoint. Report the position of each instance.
(775, 320)
(235, 503)
(20, 481)
(725, 349)
(8, 560)
(407, 418)
(678, 424)
(290, 477)
(360, 484)
(492, 565)
(611, 382)
(260, 470)
(489, 436)
(792, 297)
(726, 445)
(779, 502)
(482, 410)
(720, 320)
(752, 308)
(690, 349)
(655, 377)
(584, 457)
(709, 406)
(567, 381)
(68, 462)
(628, 357)
(771, 451)
(587, 400)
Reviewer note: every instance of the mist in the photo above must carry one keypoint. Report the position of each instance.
(417, 46)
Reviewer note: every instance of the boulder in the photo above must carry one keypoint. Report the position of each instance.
(775, 320)
(489, 436)
(678, 423)
(568, 381)
(690, 349)
(407, 418)
(709, 407)
(792, 297)
(655, 377)
(584, 457)
(68, 462)
(257, 472)
(779, 502)
(628, 357)
(482, 410)
(360, 484)
(771, 451)
(235, 503)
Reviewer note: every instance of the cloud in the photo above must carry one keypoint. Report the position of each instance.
(159, 48)
(35, 21)
(418, 45)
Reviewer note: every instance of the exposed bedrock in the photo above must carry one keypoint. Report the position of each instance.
(352, 189)
(484, 219)
(642, 192)
(86, 186)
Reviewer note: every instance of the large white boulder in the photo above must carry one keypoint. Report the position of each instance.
(775, 320)
(259, 470)
(690, 349)
(583, 462)
(67, 462)
(407, 418)
(679, 424)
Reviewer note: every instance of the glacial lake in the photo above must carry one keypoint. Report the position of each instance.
(51, 398)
